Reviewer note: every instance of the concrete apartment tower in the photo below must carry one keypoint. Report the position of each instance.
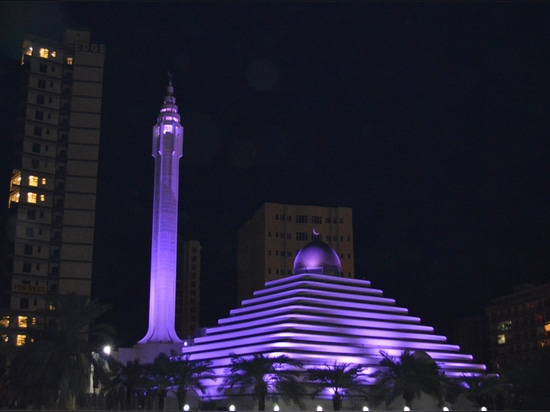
(167, 151)
(48, 248)
(269, 241)
(188, 288)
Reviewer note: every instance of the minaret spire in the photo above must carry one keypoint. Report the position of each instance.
(167, 151)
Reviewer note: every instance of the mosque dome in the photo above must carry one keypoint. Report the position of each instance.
(317, 257)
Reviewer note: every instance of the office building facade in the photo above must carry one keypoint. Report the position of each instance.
(270, 240)
(50, 222)
(519, 325)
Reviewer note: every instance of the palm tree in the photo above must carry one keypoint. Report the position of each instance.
(58, 360)
(160, 374)
(489, 391)
(128, 384)
(408, 376)
(188, 374)
(265, 374)
(341, 379)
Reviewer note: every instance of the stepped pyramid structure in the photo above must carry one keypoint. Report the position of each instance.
(317, 317)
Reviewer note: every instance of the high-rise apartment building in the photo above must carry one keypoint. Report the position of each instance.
(50, 224)
(519, 325)
(188, 288)
(270, 240)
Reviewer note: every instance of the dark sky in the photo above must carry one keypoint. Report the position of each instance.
(431, 120)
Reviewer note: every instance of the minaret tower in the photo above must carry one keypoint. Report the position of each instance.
(167, 151)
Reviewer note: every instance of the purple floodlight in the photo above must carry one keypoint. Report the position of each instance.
(317, 257)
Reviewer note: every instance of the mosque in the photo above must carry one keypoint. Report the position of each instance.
(315, 316)
(318, 318)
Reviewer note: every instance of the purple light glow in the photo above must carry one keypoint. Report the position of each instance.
(355, 308)
(316, 255)
(317, 319)
(310, 292)
(167, 151)
(364, 330)
(358, 325)
(262, 294)
(319, 277)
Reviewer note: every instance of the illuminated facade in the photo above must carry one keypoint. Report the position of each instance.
(519, 325)
(269, 241)
(188, 287)
(52, 200)
(167, 151)
(320, 318)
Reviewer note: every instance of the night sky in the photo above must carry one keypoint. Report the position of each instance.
(430, 120)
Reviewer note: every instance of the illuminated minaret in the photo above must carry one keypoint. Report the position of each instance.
(167, 151)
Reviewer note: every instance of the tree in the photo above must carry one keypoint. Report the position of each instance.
(264, 375)
(128, 384)
(341, 379)
(57, 362)
(489, 391)
(160, 377)
(408, 376)
(188, 374)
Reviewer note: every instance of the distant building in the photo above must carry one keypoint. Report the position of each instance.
(473, 337)
(188, 288)
(519, 324)
(270, 240)
(49, 242)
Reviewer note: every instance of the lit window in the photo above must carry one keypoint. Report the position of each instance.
(42, 198)
(33, 319)
(14, 196)
(5, 338)
(31, 197)
(69, 61)
(16, 178)
(44, 53)
(167, 128)
(5, 322)
(28, 52)
(33, 181)
(21, 339)
(547, 327)
(53, 53)
(22, 321)
(43, 180)
(501, 339)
